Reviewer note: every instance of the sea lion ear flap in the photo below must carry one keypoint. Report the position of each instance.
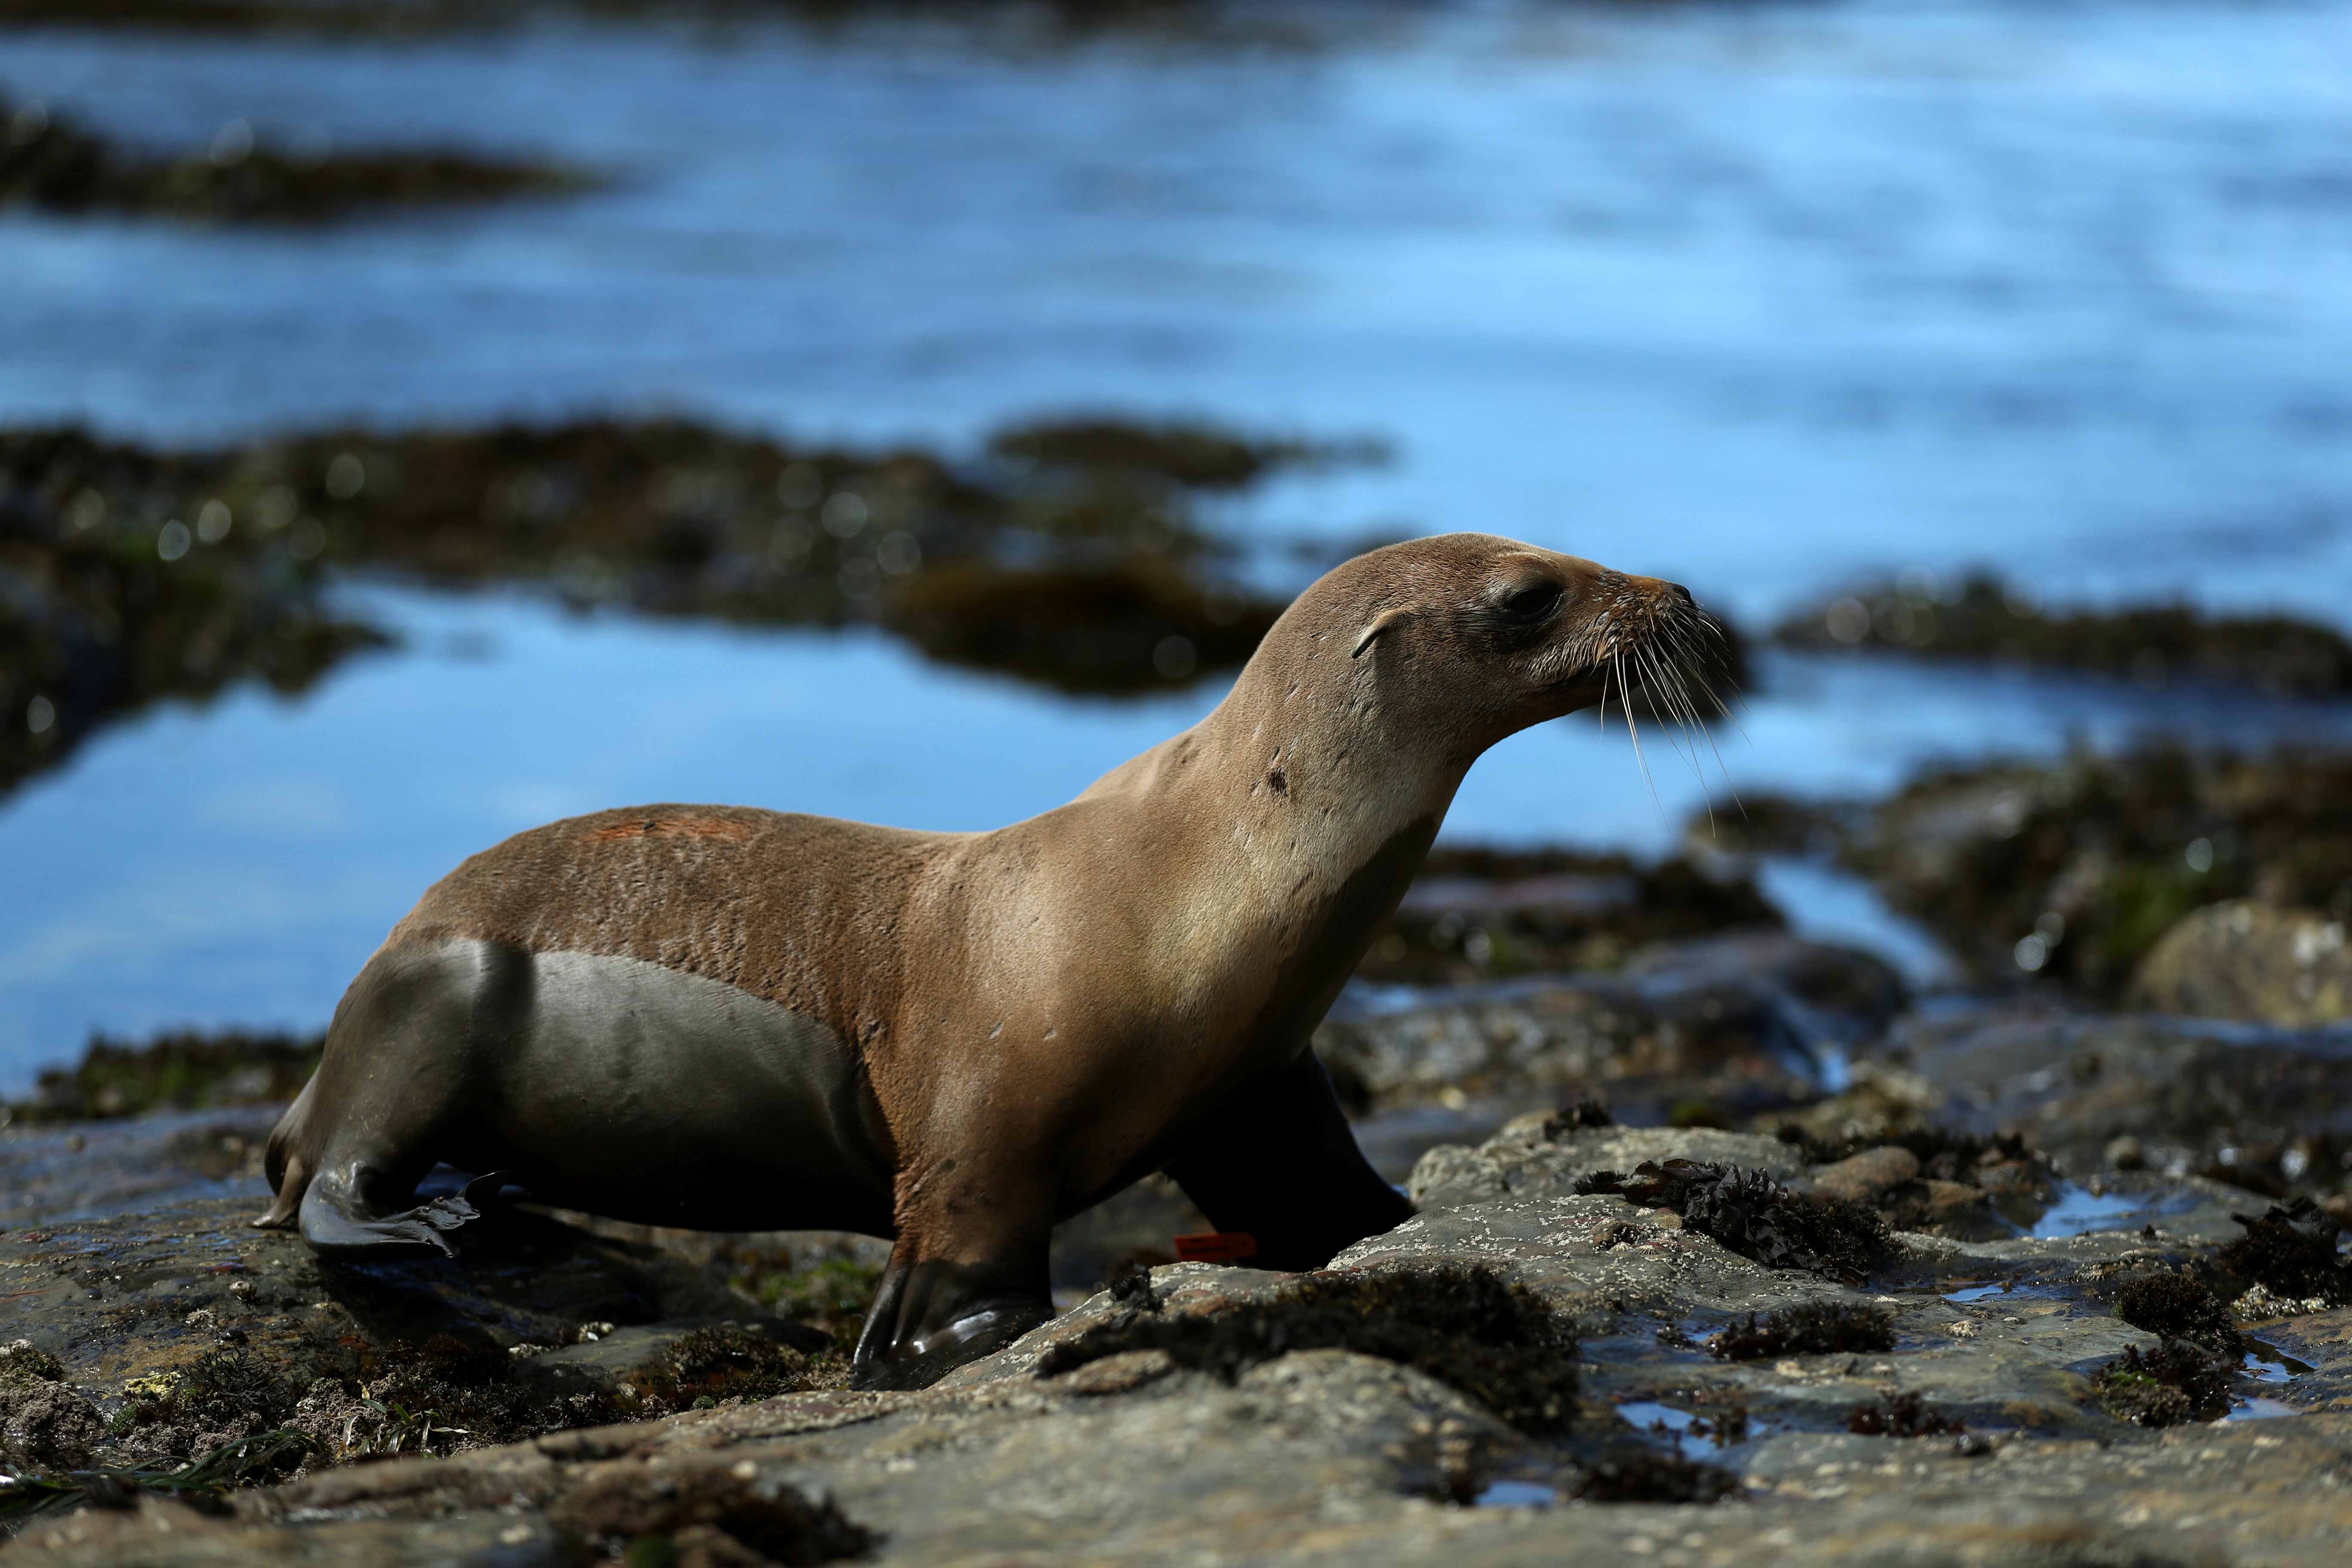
(1387, 619)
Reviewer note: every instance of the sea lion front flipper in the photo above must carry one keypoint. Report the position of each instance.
(931, 1317)
(337, 1222)
(1280, 1162)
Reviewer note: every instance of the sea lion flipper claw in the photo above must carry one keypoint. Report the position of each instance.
(334, 1221)
(931, 1317)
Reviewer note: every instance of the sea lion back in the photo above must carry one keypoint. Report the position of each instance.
(796, 908)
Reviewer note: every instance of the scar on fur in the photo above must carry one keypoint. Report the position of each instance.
(670, 827)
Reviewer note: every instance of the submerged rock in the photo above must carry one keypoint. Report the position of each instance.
(49, 161)
(1978, 616)
(2251, 960)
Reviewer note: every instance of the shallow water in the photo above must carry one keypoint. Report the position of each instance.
(2079, 1211)
(1756, 297)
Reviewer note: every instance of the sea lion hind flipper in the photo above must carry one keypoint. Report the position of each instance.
(336, 1222)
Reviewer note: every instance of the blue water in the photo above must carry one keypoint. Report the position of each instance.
(2079, 1210)
(1758, 296)
(1517, 1494)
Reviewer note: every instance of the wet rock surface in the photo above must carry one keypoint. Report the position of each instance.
(2252, 960)
(1714, 1029)
(2071, 872)
(1959, 1281)
(1959, 1402)
(2264, 1109)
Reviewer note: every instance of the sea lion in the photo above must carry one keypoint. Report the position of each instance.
(729, 1018)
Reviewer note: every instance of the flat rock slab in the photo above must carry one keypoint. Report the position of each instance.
(2188, 1093)
(128, 1296)
(1329, 1456)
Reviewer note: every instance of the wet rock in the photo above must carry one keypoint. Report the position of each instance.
(187, 1324)
(42, 1421)
(77, 1169)
(1322, 1453)
(1978, 616)
(181, 1070)
(1477, 913)
(1522, 1159)
(1869, 1175)
(1719, 1029)
(2292, 1254)
(2248, 960)
(707, 1513)
(1460, 1324)
(2268, 1109)
(2073, 872)
(1902, 1415)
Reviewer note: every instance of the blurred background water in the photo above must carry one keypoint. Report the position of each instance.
(1762, 298)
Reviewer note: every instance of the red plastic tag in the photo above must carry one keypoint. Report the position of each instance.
(1217, 1246)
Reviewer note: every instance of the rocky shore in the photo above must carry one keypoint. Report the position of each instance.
(1767, 1262)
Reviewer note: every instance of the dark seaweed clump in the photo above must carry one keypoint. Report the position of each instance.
(43, 1422)
(1809, 1328)
(1643, 1476)
(1481, 913)
(449, 1395)
(2176, 1382)
(2177, 1306)
(1755, 1216)
(1980, 617)
(2292, 1253)
(711, 1365)
(706, 1513)
(1902, 1415)
(200, 1484)
(1463, 1325)
(1583, 1110)
(1077, 555)
(49, 161)
(184, 1069)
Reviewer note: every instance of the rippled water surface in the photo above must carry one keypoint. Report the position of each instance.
(1757, 296)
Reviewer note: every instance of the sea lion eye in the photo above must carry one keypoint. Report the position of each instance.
(1533, 604)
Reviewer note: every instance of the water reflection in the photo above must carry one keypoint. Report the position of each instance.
(1074, 555)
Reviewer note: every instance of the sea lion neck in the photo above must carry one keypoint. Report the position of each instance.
(1297, 778)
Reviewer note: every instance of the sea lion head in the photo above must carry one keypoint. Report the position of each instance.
(1475, 637)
